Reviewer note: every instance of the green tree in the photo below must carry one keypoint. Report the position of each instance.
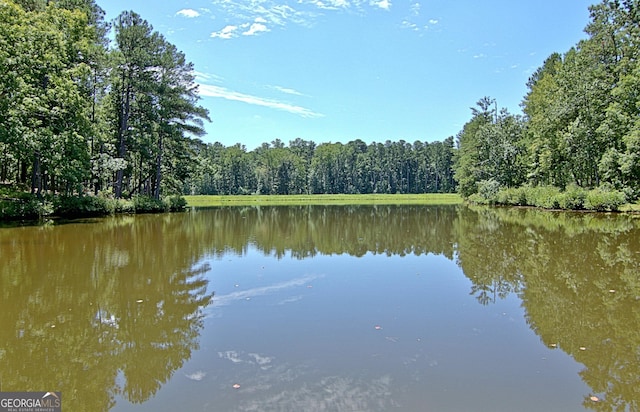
(132, 77)
(471, 152)
(48, 124)
(178, 115)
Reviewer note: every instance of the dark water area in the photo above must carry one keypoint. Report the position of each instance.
(325, 308)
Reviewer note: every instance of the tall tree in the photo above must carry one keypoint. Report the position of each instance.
(471, 152)
(132, 77)
(178, 114)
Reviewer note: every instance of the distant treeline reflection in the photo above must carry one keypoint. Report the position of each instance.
(305, 231)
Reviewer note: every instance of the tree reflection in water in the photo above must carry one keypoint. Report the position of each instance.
(84, 303)
(115, 307)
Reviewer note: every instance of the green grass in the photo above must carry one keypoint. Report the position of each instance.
(631, 207)
(294, 200)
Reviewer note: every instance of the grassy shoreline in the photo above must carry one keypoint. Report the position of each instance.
(337, 199)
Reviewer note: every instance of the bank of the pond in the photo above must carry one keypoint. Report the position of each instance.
(321, 199)
(18, 206)
(573, 198)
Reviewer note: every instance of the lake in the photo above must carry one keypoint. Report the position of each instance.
(326, 308)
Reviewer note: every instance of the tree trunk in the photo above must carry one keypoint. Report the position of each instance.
(122, 136)
(36, 177)
(156, 192)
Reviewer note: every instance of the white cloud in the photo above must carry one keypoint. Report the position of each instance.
(331, 4)
(207, 77)
(287, 90)
(255, 29)
(433, 21)
(226, 33)
(409, 25)
(224, 93)
(270, 11)
(189, 13)
(415, 9)
(282, 13)
(383, 4)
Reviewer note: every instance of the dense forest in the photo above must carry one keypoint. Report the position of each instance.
(303, 167)
(111, 109)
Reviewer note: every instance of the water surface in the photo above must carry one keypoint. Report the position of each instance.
(325, 308)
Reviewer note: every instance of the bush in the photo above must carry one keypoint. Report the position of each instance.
(572, 198)
(546, 197)
(477, 199)
(514, 196)
(488, 190)
(25, 207)
(603, 199)
(123, 206)
(77, 206)
(176, 203)
(146, 204)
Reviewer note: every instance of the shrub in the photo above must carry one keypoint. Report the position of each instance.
(515, 196)
(146, 204)
(603, 198)
(572, 198)
(477, 199)
(546, 197)
(23, 205)
(124, 206)
(176, 203)
(82, 206)
(488, 190)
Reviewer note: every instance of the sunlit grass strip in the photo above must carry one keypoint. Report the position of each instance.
(631, 207)
(293, 200)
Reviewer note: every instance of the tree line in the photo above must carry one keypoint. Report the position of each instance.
(303, 167)
(91, 106)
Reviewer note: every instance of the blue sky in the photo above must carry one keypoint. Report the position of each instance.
(340, 70)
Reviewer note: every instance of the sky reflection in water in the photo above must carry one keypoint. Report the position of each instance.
(301, 335)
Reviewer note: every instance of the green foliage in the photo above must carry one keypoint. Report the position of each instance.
(573, 198)
(329, 168)
(75, 206)
(604, 198)
(77, 115)
(546, 197)
(581, 128)
(488, 190)
(176, 203)
(338, 199)
(491, 148)
(147, 204)
(15, 204)
(83, 206)
(25, 207)
(516, 196)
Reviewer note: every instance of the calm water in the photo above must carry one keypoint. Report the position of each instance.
(369, 308)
